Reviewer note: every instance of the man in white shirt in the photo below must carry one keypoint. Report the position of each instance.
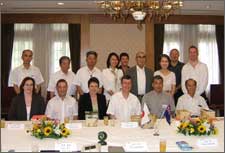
(196, 70)
(141, 76)
(190, 101)
(25, 70)
(62, 106)
(86, 72)
(65, 74)
(124, 104)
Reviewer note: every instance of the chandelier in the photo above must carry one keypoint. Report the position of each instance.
(140, 9)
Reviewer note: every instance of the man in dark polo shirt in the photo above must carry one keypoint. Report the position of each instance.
(176, 67)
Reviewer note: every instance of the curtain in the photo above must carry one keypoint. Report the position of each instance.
(220, 44)
(7, 34)
(180, 37)
(48, 41)
(158, 43)
(202, 36)
(74, 41)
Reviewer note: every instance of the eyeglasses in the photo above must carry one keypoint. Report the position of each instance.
(141, 56)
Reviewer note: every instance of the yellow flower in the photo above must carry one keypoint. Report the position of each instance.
(65, 132)
(192, 130)
(38, 130)
(35, 126)
(216, 131)
(47, 131)
(201, 129)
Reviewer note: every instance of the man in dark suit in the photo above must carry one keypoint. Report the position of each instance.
(141, 76)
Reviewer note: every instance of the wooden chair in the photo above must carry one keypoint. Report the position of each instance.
(217, 98)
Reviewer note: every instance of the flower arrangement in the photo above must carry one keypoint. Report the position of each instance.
(197, 127)
(46, 128)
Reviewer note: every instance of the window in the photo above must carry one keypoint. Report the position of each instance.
(203, 36)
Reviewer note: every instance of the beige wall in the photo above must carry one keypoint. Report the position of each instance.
(105, 38)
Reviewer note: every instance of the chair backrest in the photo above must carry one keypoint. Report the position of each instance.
(217, 94)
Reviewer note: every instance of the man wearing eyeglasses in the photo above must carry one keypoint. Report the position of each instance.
(141, 76)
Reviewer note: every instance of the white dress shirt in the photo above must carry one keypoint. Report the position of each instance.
(84, 74)
(111, 81)
(69, 77)
(191, 104)
(168, 80)
(123, 108)
(19, 73)
(141, 80)
(199, 73)
(59, 109)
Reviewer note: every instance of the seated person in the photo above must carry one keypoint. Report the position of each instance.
(62, 106)
(124, 104)
(156, 98)
(27, 103)
(191, 101)
(92, 101)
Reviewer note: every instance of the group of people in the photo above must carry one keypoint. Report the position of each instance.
(117, 91)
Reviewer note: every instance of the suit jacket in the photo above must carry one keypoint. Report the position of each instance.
(149, 78)
(85, 104)
(18, 109)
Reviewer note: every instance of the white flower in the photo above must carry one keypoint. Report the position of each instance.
(57, 131)
(207, 125)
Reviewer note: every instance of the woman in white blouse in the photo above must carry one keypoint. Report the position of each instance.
(111, 76)
(169, 78)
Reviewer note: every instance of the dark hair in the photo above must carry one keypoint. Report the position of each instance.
(190, 79)
(125, 77)
(93, 80)
(157, 77)
(61, 80)
(63, 58)
(23, 84)
(91, 53)
(109, 58)
(164, 56)
(192, 46)
(174, 49)
(25, 50)
(124, 54)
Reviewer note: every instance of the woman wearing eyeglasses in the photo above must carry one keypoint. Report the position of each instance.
(27, 103)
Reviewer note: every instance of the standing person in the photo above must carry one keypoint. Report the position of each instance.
(65, 74)
(27, 103)
(169, 78)
(196, 70)
(86, 72)
(190, 101)
(25, 70)
(176, 67)
(141, 76)
(124, 104)
(124, 61)
(62, 106)
(92, 101)
(156, 98)
(111, 76)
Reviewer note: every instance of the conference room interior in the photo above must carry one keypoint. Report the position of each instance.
(87, 29)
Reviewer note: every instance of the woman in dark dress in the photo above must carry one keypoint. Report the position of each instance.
(27, 103)
(92, 101)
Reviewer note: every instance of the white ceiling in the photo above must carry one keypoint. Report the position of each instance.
(191, 7)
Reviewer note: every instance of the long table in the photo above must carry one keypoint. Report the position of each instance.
(20, 140)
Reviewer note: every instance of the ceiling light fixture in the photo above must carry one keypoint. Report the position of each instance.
(60, 3)
(140, 9)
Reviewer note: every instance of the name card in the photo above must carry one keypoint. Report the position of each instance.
(136, 147)
(12, 126)
(74, 126)
(129, 124)
(66, 147)
(209, 142)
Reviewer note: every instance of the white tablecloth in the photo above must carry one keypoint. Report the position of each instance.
(19, 140)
